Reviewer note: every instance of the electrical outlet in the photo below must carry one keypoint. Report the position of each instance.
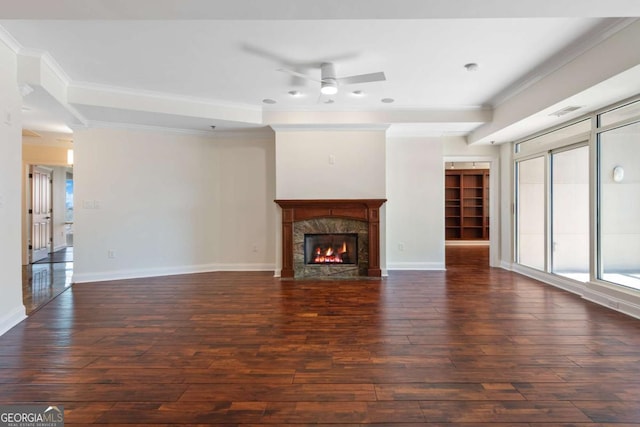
(255, 248)
(332, 159)
(111, 254)
(401, 247)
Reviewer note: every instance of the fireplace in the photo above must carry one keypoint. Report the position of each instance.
(304, 219)
(329, 248)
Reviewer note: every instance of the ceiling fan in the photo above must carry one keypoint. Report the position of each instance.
(329, 81)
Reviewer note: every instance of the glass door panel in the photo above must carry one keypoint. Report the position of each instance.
(570, 213)
(619, 206)
(531, 212)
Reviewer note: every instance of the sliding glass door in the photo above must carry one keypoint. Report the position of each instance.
(619, 205)
(570, 213)
(577, 202)
(530, 218)
(552, 211)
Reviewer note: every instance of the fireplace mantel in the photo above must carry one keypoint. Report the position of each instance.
(367, 210)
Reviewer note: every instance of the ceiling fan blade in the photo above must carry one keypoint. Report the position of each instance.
(362, 78)
(295, 73)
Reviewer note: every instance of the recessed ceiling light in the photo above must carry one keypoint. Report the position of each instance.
(472, 66)
(295, 93)
(387, 100)
(269, 101)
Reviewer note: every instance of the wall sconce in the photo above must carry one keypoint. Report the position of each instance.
(70, 156)
(618, 174)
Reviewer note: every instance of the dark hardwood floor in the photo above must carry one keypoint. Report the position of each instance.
(471, 346)
(43, 282)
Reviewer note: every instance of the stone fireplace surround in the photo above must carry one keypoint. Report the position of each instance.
(365, 210)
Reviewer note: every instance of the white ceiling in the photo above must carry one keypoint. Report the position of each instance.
(189, 64)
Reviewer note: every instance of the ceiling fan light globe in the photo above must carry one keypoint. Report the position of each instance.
(329, 88)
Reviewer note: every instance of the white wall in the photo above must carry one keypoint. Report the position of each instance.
(12, 310)
(167, 203)
(457, 147)
(330, 164)
(415, 210)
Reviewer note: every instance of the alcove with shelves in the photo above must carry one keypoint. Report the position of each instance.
(467, 204)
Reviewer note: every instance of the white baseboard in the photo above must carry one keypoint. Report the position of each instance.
(416, 266)
(506, 265)
(551, 279)
(12, 318)
(624, 300)
(166, 271)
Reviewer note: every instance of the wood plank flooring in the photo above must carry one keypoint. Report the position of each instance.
(472, 346)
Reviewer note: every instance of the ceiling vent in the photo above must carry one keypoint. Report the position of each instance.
(565, 110)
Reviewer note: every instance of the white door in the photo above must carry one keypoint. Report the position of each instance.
(41, 179)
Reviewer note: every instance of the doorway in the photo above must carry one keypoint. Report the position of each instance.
(41, 211)
(469, 205)
(48, 237)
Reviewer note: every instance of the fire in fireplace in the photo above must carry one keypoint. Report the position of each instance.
(337, 248)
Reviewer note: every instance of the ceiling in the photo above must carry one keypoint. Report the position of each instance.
(188, 65)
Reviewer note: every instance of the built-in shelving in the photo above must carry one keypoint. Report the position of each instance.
(467, 204)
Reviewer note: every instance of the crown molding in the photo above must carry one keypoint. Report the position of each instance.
(329, 127)
(254, 133)
(143, 101)
(562, 58)
(9, 40)
(49, 61)
(402, 133)
(161, 95)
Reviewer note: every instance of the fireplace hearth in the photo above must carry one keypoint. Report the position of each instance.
(359, 218)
